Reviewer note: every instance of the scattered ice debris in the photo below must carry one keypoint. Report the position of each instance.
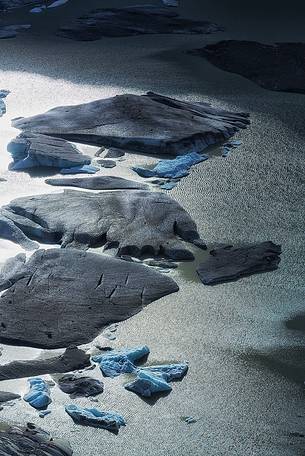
(80, 386)
(147, 383)
(97, 418)
(228, 146)
(189, 419)
(39, 394)
(3, 94)
(116, 363)
(84, 169)
(175, 168)
(44, 413)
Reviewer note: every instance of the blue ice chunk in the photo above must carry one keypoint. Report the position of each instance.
(83, 169)
(144, 172)
(175, 168)
(168, 185)
(228, 146)
(169, 372)
(39, 394)
(44, 413)
(235, 142)
(3, 94)
(147, 384)
(93, 417)
(116, 363)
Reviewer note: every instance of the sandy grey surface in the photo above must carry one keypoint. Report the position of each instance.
(244, 384)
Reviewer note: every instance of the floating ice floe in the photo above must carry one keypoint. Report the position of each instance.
(39, 394)
(155, 379)
(146, 384)
(97, 418)
(80, 386)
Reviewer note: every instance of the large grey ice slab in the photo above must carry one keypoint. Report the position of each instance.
(98, 183)
(72, 359)
(30, 150)
(231, 263)
(68, 296)
(278, 66)
(135, 223)
(30, 440)
(133, 20)
(149, 123)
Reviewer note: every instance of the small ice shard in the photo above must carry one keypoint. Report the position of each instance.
(57, 3)
(114, 153)
(160, 263)
(44, 413)
(97, 418)
(84, 169)
(189, 419)
(38, 9)
(39, 394)
(169, 372)
(175, 168)
(174, 3)
(147, 384)
(116, 363)
(80, 386)
(168, 185)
